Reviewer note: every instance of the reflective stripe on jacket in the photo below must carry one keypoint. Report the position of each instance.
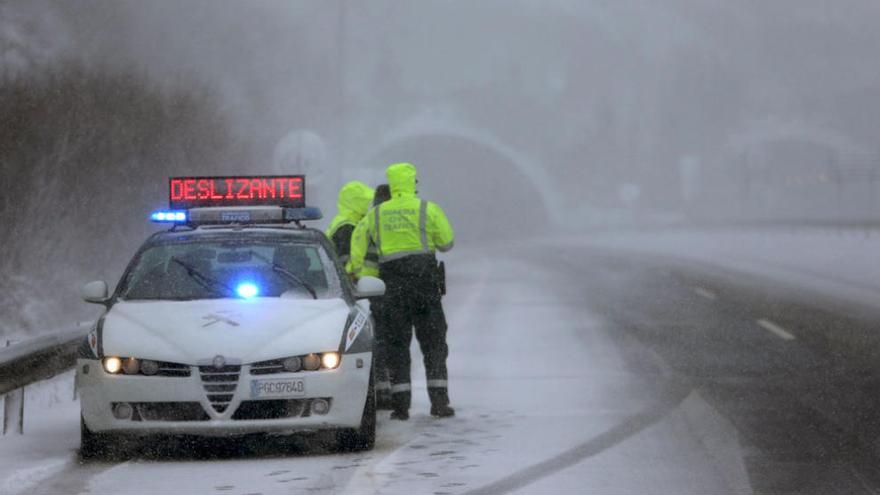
(364, 256)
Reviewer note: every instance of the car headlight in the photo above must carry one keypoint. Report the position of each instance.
(330, 360)
(131, 366)
(149, 367)
(292, 364)
(307, 362)
(112, 365)
(311, 362)
(115, 365)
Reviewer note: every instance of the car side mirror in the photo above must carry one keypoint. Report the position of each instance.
(95, 292)
(369, 287)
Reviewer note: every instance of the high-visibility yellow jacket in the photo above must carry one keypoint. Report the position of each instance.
(353, 202)
(364, 256)
(405, 224)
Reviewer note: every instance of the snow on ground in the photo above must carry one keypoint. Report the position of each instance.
(839, 263)
(51, 436)
(538, 383)
(544, 397)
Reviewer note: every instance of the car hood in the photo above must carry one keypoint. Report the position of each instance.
(254, 330)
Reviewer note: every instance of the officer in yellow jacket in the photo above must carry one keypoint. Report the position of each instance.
(353, 202)
(407, 231)
(365, 262)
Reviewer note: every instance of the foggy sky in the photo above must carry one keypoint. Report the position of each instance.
(602, 94)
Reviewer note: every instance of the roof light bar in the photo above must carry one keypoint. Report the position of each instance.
(169, 216)
(250, 215)
(302, 214)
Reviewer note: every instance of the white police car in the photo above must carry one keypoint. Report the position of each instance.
(237, 320)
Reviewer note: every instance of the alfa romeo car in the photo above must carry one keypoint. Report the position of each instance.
(235, 321)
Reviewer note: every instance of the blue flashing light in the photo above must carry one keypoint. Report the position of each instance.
(301, 214)
(247, 290)
(172, 216)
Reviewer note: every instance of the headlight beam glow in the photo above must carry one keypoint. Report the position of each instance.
(330, 360)
(112, 365)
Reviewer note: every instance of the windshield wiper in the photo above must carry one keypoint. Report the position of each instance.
(289, 275)
(205, 281)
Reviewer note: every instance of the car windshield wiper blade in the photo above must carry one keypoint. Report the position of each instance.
(292, 276)
(205, 281)
(287, 274)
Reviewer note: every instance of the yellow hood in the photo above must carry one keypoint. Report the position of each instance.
(401, 179)
(355, 199)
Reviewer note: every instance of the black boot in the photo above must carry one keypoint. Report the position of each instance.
(440, 402)
(400, 402)
(442, 411)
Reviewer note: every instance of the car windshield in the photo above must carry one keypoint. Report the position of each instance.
(231, 268)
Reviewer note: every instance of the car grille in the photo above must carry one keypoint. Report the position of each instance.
(267, 367)
(220, 384)
(168, 411)
(274, 409)
(173, 369)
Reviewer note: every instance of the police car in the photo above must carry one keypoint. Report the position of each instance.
(237, 320)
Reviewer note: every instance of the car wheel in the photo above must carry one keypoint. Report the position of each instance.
(363, 438)
(104, 446)
(93, 445)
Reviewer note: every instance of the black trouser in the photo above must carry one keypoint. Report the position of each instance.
(412, 299)
(380, 351)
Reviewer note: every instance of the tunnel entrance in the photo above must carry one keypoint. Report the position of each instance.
(483, 192)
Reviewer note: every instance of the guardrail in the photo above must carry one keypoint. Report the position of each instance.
(32, 361)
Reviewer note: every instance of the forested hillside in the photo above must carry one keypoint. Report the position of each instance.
(84, 155)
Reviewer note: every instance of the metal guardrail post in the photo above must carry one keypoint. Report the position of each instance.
(13, 408)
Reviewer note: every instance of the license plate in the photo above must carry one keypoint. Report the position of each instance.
(278, 388)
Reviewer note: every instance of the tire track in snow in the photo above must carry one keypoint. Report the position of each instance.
(73, 479)
(674, 393)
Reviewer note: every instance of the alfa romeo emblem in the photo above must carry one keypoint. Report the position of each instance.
(219, 361)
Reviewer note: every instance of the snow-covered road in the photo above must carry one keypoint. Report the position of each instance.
(546, 395)
(839, 264)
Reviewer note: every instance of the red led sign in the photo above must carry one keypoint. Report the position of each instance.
(275, 190)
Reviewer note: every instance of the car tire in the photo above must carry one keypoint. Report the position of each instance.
(363, 438)
(94, 445)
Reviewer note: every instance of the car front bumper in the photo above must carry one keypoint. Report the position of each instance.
(181, 404)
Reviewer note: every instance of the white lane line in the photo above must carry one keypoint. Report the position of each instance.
(776, 329)
(708, 294)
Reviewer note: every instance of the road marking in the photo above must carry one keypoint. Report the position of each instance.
(708, 294)
(776, 329)
(675, 392)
